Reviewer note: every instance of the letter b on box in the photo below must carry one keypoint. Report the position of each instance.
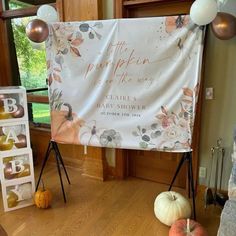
(13, 104)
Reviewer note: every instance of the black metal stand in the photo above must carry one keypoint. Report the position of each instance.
(187, 157)
(53, 146)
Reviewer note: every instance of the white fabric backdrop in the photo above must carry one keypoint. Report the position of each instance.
(125, 83)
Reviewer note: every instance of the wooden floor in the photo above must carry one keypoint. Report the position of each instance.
(98, 208)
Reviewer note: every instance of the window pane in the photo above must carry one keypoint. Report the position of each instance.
(32, 66)
(14, 4)
(31, 62)
(17, 4)
(41, 113)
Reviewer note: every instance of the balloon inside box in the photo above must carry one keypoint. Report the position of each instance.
(14, 136)
(18, 195)
(16, 166)
(13, 105)
(17, 178)
(16, 162)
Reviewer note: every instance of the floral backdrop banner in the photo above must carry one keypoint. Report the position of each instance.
(125, 83)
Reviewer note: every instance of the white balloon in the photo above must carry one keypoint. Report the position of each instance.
(37, 46)
(203, 12)
(47, 13)
(25, 190)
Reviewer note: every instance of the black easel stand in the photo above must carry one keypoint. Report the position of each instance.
(53, 146)
(187, 156)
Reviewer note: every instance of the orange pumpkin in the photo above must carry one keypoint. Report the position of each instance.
(43, 198)
(65, 126)
(188, 227)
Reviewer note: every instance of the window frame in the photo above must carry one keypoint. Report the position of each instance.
(6, 15)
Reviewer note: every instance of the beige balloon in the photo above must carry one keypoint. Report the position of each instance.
(224, 26)
(37, 31)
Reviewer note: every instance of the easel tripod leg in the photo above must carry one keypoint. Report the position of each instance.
(59, 172)
(189, 179)
(187, 157)
(177, 171)
(61, 160)
(192, 185)
(44, 163)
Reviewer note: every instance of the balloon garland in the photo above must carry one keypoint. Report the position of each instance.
(202, 12)
(205, 12)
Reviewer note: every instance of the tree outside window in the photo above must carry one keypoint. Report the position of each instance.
(31, 62)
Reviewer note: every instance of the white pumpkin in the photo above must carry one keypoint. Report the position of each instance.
(170, 206)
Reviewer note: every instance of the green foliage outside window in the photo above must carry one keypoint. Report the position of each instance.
(31, 63)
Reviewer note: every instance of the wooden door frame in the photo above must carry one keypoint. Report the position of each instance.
(121, 9)
(5, 69)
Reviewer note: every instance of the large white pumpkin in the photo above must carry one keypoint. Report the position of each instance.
(170, 206)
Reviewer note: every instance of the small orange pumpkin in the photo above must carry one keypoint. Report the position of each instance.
(43, 198)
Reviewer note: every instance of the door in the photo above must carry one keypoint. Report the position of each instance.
(151, 165)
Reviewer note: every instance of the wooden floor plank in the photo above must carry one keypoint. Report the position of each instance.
(94, 208)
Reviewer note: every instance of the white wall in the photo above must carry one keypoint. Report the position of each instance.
(219, 115)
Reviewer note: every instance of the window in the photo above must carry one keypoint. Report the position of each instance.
(29, 64)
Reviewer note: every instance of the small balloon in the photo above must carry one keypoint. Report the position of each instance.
(22, 141)
(4, 115)
(19, 112)
(5, 144)
(12, 199)
(1, 131)
(224, 26)
(8, 171)
(7, 159)
(203, 12)
(25, 190)
(25, 172)
(47, 13)
(3, 96)
(37, 30)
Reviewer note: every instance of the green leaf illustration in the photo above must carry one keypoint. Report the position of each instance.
(99, 36)
(155, 134)
(91, 35)
(146, 138)
(78, 35)
(143, 145)
(154, 126)
(99, 25)
(135, 133)
(84, 27)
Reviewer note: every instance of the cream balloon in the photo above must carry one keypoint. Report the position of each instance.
(25, 191)
(47, 13)
(203, 12)
(37, 46)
